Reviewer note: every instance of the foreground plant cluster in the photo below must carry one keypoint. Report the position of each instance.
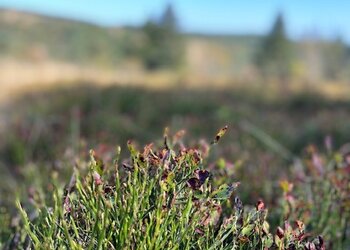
(165, 199)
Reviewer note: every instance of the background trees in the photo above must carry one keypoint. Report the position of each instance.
(162, 46)
(273, 58)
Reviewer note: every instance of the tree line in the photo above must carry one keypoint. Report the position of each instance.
(276, 57)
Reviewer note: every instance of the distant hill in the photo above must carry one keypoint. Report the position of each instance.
(35, 37)
(32, 38)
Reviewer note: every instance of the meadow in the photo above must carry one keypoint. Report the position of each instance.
(148, 137)
(288, 152)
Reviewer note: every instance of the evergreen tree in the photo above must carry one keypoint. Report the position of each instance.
(274, 57)
(162, 45)
(168, 20)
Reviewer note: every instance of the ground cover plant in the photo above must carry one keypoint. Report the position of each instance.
(52, 132)
(50, 129)
(157, 199)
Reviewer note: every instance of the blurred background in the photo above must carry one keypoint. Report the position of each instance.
(81, 74)
(161, 43)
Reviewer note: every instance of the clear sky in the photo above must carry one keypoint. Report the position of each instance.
(324, 18)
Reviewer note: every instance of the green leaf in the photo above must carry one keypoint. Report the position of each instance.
(224, 192)
(247, 230)
(134, 153)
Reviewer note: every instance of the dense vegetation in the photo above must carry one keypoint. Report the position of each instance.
(52, 132)
(164, 199)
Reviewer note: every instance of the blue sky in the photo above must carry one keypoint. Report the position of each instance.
(325, 18)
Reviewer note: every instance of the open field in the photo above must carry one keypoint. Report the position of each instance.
(109, 141)
(51, 131)
(268, 133)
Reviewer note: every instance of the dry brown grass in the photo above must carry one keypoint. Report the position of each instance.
(18, 77)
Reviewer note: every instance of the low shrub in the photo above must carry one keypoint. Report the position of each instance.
(318, 193)
(157, 199)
